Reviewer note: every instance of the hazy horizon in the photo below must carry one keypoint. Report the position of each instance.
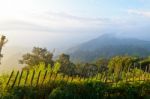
(59, 24)
(62, 24)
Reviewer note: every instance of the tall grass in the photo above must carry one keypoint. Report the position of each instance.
(44, 83)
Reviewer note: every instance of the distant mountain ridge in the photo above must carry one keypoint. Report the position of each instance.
(108, 46)
(104, 46)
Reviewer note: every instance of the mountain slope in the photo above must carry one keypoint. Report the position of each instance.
(108, 46)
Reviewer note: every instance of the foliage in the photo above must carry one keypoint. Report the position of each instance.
(56, 86)
(102, 64)
(120, 63)
(86, 70)
(144, 63)
(66, 66)
(56, 67)
(87, 90)
(62, 79)
(38, 55)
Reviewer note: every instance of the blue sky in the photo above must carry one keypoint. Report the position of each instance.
(64, 23)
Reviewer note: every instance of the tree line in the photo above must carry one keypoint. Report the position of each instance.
(117, 64)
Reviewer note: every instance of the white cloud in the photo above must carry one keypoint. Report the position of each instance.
(139, 12)
(55, 22)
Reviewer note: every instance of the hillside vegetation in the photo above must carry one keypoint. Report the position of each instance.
(125, 77)
(107, 46)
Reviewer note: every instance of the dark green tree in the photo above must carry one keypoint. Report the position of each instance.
(66, 66)
(37, 56)
(90, 70)
(86, 69)
(102, 64)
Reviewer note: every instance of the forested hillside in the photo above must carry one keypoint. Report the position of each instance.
(107, 46)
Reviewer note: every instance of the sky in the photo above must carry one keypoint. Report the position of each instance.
(65, 23)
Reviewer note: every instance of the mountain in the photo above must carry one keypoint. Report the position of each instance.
(108, 46)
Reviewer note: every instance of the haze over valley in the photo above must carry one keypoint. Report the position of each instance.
(73, 27)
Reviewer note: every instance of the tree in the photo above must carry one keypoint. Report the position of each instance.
(37, 56)
(90, 70)
(120, 63)
(86, 69)
(102, 64)
(3, 41)
(66, 66)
